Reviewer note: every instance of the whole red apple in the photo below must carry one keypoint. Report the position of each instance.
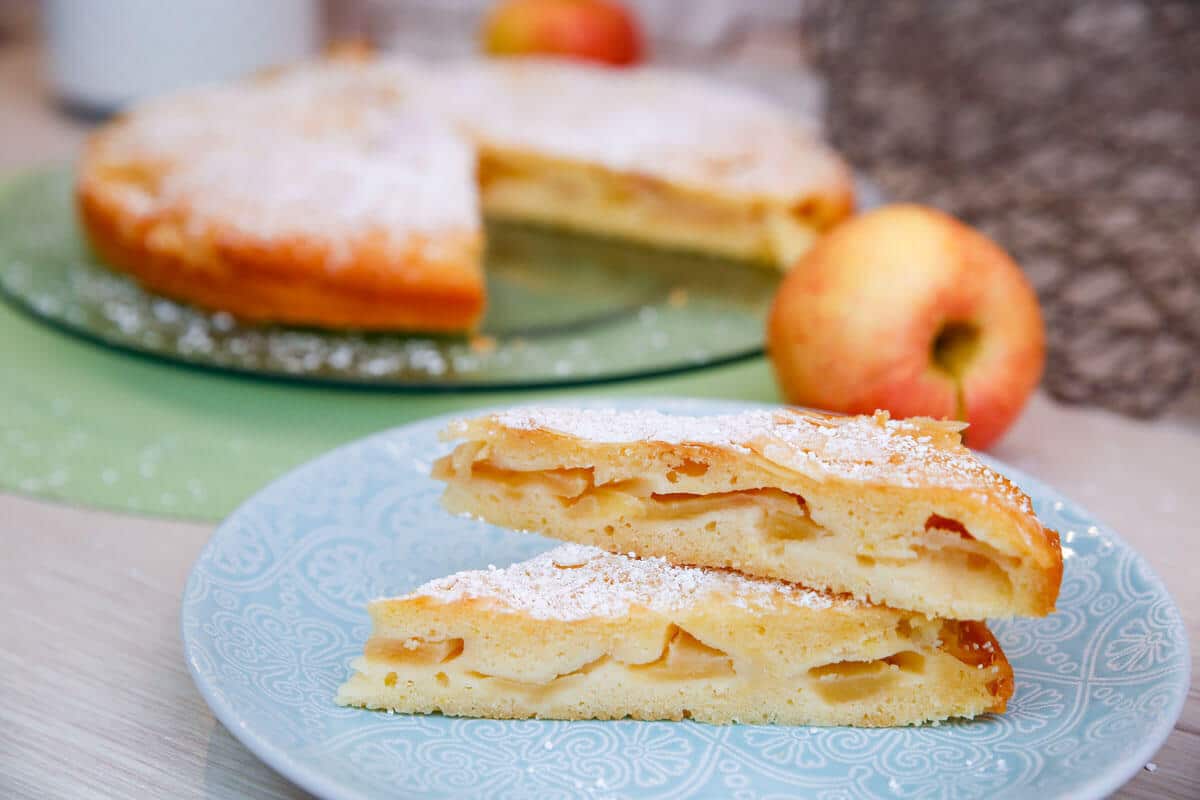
(907, 309)
(593, 30)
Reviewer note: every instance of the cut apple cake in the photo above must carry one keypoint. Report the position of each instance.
(348, 194)
(579, 633)
(896, 512)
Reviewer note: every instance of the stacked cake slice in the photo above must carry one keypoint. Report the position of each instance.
(771, 566)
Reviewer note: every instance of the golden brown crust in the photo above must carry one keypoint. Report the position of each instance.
(834, 204)
(288, 281)
(972, 643)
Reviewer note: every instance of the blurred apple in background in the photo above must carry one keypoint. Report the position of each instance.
(593, 30)
(907, 309)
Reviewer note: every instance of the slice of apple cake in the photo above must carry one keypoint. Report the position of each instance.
(580, 633)
(897, 512)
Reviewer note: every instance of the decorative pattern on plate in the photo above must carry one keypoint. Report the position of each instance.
(273, 614)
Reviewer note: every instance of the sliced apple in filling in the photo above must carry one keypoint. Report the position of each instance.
(534, 188)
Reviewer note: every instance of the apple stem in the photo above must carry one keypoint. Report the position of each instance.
(954, 348)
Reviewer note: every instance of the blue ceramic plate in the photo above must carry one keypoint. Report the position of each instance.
(274, 611)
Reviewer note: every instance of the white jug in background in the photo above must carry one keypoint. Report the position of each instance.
(103, 54)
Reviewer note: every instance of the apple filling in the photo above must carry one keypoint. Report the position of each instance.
(850, 681)
(764, 530)
(683, 659)
(525, 188)
(686, 658)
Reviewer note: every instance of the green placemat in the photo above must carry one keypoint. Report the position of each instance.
(83, 424)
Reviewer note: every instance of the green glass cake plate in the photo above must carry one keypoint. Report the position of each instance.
(564, 310)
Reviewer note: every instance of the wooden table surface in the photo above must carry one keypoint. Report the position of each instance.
(95, 698)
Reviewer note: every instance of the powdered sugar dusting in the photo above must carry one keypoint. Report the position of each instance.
(647, 121)
(576, 581)
(332, 153)
(871, 449)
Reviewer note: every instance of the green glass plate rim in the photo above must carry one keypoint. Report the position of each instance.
(152, 356)
(10, 181)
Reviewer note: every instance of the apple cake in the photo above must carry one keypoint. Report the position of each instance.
(580, 633)
(896, 512)
(349, 194)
